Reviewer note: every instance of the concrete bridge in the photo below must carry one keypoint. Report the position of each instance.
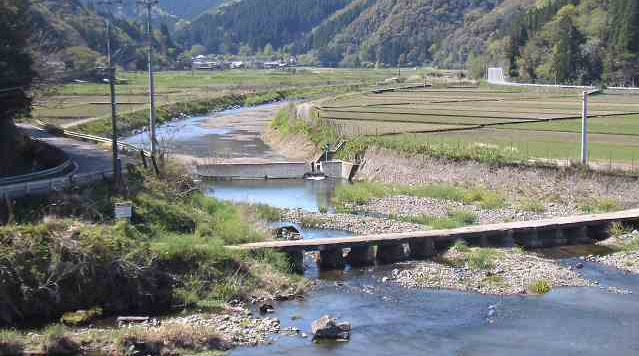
(392, 247)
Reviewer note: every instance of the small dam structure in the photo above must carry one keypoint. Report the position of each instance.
(274, 170)
(393, 247)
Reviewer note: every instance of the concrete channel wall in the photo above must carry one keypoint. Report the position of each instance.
(337, 169)
(272, 170)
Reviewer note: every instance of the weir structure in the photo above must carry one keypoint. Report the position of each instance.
(334, 253)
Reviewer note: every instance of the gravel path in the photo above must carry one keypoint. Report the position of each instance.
(512, 272)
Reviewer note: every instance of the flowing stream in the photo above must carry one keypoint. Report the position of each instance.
(390, 320)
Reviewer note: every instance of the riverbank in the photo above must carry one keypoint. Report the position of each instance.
(488, 271)
(518, 184)
(627, 257)
(359, 225)
(66, 254)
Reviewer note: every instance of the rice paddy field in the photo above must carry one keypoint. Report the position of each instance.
(70, 103)
(531, 123)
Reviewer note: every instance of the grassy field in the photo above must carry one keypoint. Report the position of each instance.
(519, 123)
(72, 102)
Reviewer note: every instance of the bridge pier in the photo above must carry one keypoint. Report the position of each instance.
(599, 232)
(296, 259)
(577, 235)
(331, 259)
(506, 239)
(389, 253)
(528, 239)
(422, 248)
(361, 256)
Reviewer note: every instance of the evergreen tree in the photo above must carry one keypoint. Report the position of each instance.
(16, 76)
(566, 56)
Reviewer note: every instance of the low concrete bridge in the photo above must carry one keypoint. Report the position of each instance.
(392, 247)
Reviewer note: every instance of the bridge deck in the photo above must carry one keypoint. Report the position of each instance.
(477, 230)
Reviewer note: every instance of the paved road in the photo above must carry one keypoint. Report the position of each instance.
(89, 157)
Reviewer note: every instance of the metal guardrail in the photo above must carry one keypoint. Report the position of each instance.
(52, 185)
(98, 139)
(38, 184)
(43, 174)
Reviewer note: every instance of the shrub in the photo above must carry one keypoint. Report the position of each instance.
(540, 287)
(533, 206)
(604, 205)
(10, 343)
(618, 229)
(481, 259)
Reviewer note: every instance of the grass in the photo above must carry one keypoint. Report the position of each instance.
(363, 193)
(415, 119)
(533, 206)
(453, 220)
(540, 287)
(602, 205)
(475, 258)
(319, 131)
(482, 259)
(618, 229)
(170, 255)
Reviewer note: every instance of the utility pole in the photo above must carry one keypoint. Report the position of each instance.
(114, 110)
(584, 130)
(154, 143)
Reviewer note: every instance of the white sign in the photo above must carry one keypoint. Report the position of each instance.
(123, 210)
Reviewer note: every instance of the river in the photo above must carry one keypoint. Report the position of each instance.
(390, 320)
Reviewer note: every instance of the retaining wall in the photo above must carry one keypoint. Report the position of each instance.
(337, 169)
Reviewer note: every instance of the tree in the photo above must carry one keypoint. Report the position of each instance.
(566, 54)
(16, 77)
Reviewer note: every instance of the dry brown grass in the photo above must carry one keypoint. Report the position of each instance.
(189, 337)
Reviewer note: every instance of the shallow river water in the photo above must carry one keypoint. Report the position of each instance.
(389, 320)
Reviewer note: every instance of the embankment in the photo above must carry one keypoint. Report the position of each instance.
(517, 182)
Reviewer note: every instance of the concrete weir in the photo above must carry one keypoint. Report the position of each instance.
(388, 248)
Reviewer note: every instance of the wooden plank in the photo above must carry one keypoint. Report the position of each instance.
(522, 226)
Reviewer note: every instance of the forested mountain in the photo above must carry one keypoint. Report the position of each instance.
(179, 9)
(572, 41)
(567, 41)
(70, 32)
(256, 24)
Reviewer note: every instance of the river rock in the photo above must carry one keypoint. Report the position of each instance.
(266, 307)
(327, 327)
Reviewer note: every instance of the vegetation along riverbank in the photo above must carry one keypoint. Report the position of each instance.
(66, 253)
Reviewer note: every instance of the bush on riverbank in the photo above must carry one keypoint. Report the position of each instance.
(171, 255)
(319, 131)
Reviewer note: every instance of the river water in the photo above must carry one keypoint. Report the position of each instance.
(389, 320)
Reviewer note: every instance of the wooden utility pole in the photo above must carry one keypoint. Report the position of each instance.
(114, 111)
(149, 28)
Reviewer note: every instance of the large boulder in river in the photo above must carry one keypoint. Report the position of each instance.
(327, 327)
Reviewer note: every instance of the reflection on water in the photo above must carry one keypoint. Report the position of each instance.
(310, 195)
(193, 137)
(388, 320)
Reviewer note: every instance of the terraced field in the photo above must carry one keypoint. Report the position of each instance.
(527, 122)
(70, 103)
